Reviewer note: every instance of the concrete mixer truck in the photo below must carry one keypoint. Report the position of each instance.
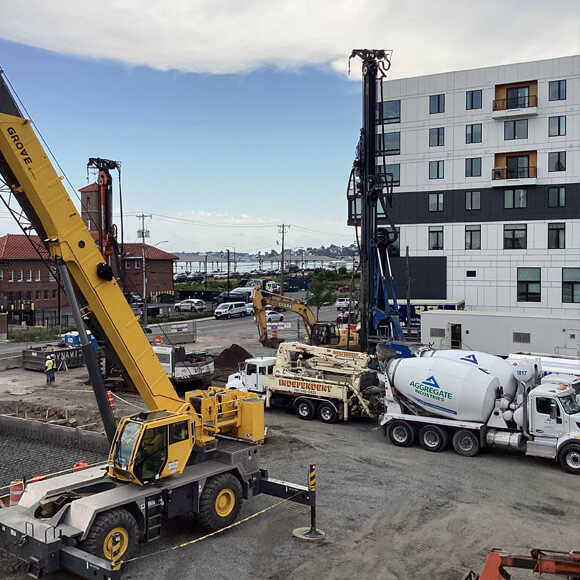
(474, 401)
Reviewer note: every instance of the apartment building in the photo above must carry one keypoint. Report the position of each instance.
(486, 167)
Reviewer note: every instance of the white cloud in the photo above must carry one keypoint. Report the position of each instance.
(233, 36)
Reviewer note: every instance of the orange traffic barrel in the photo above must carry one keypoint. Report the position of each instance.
(80, 465)
(37, 477)
(16, 491)
(111, 399)
(157, 339)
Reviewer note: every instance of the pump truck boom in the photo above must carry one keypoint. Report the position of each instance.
(319, 333)
(192, 454)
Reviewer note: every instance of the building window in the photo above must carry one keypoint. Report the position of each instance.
(517, 129)
(473, 100)
(436, 169)
(473, 167)
(518, 167)
(46, 294)
(29, 276)
(471, 274)
(437, 137)
(515, 198)
(127, 264)
(557, 126)
(515, 237)
(391, 112)
(37, 294)
(435, 202)
(436, 104)
(52, 275)
(391, 143)
(571, 285)
(436, 237)
(556, 236)
(1, 274)
(54, 294)
(518, 97)
(472, 200)
(20, 275)
(473, 237)
(521, 337)
(557, 196)
(37, 276)
(557, 90)
(529, 285)
(473, 133)
(10, 275)
(395, 170)
(557, 161)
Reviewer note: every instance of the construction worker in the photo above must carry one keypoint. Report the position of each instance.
(47, 368)
(299, 362)
(53, 367)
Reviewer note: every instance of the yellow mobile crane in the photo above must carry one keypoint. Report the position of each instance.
(325, 334)
(192, 454)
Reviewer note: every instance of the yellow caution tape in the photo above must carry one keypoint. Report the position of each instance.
(191, 542)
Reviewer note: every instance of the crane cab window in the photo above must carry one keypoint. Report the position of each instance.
(152, 454)
(178, 432)
(251, 369)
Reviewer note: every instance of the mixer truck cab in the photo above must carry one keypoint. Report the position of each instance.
(437, 399)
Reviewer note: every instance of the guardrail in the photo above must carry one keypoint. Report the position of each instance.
(515, 103)
(513, 173)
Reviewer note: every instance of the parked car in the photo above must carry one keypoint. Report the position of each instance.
(273, 316)
(229, 309)
(190, 305)
(249, 309)
(346, 303)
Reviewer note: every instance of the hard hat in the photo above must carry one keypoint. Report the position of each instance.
(52, 356)
(47, 356)
(300, 356)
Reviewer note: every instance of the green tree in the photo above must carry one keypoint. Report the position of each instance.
(319, 294)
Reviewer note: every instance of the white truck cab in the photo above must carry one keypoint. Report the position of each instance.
(251, 373)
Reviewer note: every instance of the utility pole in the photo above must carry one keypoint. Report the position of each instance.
(228, 274)
(143, 233)
(282, 229)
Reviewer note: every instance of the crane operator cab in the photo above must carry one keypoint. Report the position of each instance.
(156, 444)
(149, 446)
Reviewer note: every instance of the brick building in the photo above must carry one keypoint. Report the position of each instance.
(28, 281)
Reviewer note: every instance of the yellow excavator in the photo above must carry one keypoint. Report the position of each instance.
(196, 453)
(325, 334)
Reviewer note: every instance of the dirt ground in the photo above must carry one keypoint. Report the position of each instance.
(390, 513)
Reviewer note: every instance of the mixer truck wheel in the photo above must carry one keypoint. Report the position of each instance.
(569, 458)
(433, 438)
(466, 443)
(401, 433)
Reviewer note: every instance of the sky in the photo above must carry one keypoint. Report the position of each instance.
(231, 118)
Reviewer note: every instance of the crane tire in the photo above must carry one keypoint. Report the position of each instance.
(99, 540)
(220, 502)
(433, 438)
(466, 443)
(401, 433)
(569, 458)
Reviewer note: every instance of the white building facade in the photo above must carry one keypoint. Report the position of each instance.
(487, 175)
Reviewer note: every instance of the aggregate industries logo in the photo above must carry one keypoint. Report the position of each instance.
(429, 390)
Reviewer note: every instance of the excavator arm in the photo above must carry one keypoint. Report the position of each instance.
(262, 299)
(32, 179)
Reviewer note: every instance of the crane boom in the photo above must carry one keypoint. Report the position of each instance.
(31, 178)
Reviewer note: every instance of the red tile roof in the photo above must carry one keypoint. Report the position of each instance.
(18, 247)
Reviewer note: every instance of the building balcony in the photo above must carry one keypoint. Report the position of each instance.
(504, 176)
(515, 107)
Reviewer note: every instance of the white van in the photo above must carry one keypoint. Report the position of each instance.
(229, 309)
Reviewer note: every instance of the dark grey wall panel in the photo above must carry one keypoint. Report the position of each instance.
(428, 277)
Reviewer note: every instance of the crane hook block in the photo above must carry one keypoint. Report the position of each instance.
(104, 271)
